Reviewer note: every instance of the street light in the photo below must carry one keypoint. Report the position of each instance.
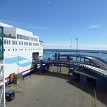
(76, 48)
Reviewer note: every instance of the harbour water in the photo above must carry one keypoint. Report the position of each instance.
(48, 53)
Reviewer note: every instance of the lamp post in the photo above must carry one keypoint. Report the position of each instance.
(76, 47)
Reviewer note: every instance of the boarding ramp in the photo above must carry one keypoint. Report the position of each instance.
(101, 63)
(84, 68)
(91, 64)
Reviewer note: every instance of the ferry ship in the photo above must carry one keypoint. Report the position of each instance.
(18, 48)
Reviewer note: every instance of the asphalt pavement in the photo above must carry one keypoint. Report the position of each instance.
(54, 89)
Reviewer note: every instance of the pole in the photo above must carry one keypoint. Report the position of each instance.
(76, 48)
(96, 105)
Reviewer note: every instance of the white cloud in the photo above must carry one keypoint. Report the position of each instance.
(93, 26)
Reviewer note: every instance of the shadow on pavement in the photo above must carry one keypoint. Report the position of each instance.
(101, 95)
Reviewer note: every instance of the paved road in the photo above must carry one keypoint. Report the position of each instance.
(52, 90)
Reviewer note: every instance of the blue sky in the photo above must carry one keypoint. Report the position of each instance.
(57, 21)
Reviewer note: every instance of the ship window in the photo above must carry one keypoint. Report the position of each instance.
(9, 42)
(25, 43)
(13, 42)
(36, 44)
(4, 49)
(19, 43)
(19, 36)
(8, 49)
(36, 39)
(27, 38)
(4, 41)
(30, 44)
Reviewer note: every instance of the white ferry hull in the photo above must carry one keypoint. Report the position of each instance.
(18, 48)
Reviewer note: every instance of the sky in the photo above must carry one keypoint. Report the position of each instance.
(59, 22)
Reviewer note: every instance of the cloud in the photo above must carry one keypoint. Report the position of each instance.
(93, 26)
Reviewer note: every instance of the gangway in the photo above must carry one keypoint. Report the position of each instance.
(83, 65)
(92, 64)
